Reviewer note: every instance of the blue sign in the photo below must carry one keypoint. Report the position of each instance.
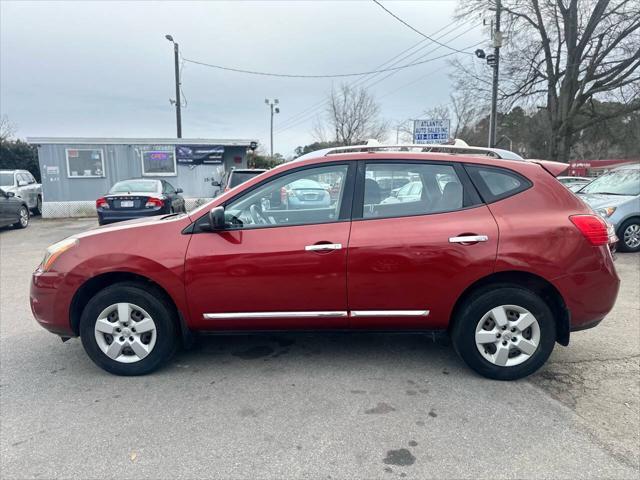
(431, 131)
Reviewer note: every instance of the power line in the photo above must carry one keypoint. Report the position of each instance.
(418, 31)
(304, 115)
(308, 117)
(365, 79)
(335, 75)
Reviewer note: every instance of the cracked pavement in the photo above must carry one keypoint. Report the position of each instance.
(311, 406)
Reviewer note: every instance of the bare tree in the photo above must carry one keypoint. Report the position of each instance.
(569, 54)
(7, 129)
(352, 116)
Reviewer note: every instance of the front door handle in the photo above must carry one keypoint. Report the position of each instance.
(469, 239)
(318, 247)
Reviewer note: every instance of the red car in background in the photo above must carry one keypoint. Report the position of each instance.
(495, 252)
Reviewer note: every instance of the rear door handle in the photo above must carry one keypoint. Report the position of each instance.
(469, 239)
(323, 246)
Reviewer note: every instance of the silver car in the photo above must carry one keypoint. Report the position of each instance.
(574, 183)
(23, 186)
(616, 197)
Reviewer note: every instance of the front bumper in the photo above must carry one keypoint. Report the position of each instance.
(50, 298)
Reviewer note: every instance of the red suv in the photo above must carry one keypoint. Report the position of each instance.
(493, 251)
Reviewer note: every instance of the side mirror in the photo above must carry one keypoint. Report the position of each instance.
(9, 194)
(216, 219)
(22, 183)
(179, 190)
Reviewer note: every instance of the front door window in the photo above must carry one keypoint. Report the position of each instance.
(308, 196)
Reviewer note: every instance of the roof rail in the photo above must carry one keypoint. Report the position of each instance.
(434, 148)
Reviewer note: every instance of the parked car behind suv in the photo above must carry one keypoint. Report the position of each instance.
(139, 197)
(13, 210)
(495, 253)
(240, 175)
(24, 186)
(616, 196)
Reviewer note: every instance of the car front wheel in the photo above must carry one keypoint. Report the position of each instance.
(504, 332)
(127, 329)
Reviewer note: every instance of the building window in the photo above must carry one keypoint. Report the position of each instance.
(159, 162)
(85, 162)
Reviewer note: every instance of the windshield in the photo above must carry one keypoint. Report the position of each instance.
(149, 186)
(6, 179)
(240, 177)
(616, 182)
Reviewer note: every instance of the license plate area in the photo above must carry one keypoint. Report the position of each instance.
(126, 203)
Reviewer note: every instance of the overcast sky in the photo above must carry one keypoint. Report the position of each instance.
(105, 69)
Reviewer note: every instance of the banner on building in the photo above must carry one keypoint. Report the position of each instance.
(199, 154)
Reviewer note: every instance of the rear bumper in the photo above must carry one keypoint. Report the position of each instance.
(590, 296)
(111, 216)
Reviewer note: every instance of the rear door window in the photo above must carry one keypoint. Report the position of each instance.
(428, 188)
(496, 183)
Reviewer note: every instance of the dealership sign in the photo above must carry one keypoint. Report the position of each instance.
(199, 154)
(431, 131)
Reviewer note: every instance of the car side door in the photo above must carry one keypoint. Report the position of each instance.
(274, 266)
(4, 209)
(24, 190)
(177, 202)
(409, 261)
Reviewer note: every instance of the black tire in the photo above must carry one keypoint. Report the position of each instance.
(622, 245)
(23, 211)
(38, 209)
(149, 299)
(481, 302)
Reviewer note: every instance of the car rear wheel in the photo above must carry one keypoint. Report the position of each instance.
(23, 218)
(629, 236)
(504, 332)
(38, 209)
(128, 330)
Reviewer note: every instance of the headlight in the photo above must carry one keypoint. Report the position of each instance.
(606, 212)
(55, 250)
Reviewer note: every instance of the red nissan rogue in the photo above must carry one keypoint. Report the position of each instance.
(493, 251)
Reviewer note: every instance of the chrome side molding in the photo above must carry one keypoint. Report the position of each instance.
(245, 315)
(389, 313)
(326, 314)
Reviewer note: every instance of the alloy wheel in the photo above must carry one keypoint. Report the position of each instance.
(24, 217)
(631, 236)
(125, 332)
(507, 335)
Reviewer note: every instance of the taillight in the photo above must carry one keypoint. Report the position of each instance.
(593, 227)
(102, 203)
(154, 202)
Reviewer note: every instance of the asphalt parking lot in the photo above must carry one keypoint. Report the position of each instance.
(311, 406)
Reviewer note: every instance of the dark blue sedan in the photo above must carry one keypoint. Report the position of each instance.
(139, 197)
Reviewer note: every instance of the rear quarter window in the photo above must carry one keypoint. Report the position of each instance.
(496, 183)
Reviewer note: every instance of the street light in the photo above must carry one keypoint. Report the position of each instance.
(272, 106)
(177, 73)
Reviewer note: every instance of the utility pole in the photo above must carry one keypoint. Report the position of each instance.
(178, 102)
(274, 109)
(495, 63)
